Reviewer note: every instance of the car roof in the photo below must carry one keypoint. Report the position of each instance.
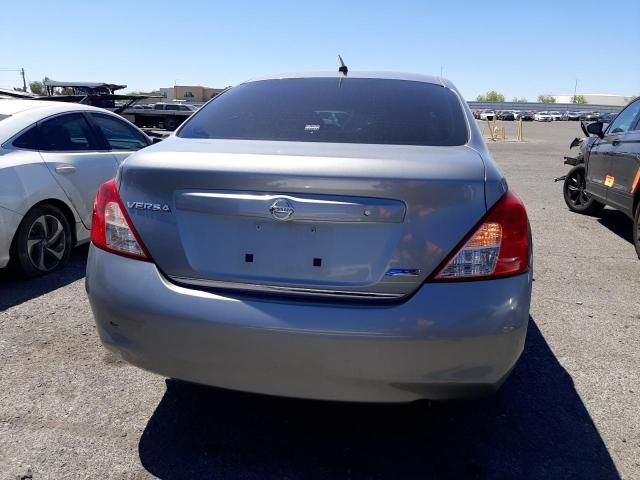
(414, 77)
(14, 106)
(22, 113)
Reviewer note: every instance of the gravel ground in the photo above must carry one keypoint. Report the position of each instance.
(69, 409)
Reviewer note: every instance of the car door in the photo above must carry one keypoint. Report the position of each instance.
(624, 166)
(597, 165)
(76, 158)
(121, 137)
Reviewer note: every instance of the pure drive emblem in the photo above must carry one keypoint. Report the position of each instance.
(154, 207)
(281, 209)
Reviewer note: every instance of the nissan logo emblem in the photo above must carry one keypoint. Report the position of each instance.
(281, 209)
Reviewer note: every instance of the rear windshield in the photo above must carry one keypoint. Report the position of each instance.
(349, 110)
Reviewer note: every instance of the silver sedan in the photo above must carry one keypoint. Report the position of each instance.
(342, 237)
(53, 158)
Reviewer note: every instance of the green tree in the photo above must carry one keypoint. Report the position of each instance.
(578, 99)
(36, 87)
(546, 98)
(519, 100)
(491, 96)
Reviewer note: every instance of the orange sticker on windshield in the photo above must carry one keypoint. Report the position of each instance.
(608, 181)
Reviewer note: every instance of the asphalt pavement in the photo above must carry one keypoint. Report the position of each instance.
(70, 409)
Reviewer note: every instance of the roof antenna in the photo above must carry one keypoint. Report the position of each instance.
(343, 68)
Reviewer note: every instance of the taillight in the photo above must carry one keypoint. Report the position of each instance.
(497, 247)
(111, 227)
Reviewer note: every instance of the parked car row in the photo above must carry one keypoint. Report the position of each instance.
(544, 116)
(507, 115)
(178, 107)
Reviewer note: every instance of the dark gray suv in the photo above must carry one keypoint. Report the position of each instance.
(609, 169)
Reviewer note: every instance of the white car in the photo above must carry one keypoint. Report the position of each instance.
(487, 115)
(53, 158)
(556, 116)
(543, 117)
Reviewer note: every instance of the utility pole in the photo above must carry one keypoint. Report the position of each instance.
(24, 81)
(575, 89)
(21, 72)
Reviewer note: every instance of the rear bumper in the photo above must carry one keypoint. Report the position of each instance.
(449, 340)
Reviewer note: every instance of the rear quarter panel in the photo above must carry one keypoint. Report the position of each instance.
(9, 222)
(25, 180)
(495, 182)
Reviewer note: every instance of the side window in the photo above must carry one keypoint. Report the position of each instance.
(119, 135)
(28, 140)
(626, 120)
(67, 133)
(172, 107)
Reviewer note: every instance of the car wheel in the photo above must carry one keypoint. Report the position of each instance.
(575, 194)
(170, 123)
(636, 230)
(42, 243)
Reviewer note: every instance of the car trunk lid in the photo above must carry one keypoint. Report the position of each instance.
(342, 220)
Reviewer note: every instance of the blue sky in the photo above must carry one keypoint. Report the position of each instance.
(518, 48)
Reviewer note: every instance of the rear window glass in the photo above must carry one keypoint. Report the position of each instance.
(348, 110)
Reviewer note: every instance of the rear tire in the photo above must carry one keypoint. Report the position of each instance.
(170, 123)
(575, 195)
(636, 230)
(42, 243)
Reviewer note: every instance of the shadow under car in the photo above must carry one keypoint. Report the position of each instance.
(536, 426)
(14, 291)
(618, 223)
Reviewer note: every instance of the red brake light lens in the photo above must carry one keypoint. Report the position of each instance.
(497, 247)
(111, 227)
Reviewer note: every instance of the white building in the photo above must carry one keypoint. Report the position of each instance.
(597, 99)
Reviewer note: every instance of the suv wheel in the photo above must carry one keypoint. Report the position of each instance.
(575, 194)
(43, 241)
